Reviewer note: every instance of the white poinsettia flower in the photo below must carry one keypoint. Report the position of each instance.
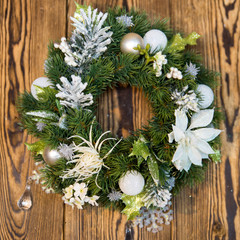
(192, 144)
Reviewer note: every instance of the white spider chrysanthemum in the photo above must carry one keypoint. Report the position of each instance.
(87, 158)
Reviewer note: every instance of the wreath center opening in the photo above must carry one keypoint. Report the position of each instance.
(123, 109)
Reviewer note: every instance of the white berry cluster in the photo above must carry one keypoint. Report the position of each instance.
(174, 73)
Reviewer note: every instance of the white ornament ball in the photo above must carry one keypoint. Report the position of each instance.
(51, 156)
(156, 39)
(207, 95)
(40, 82)
(130, 41)
(132, 183)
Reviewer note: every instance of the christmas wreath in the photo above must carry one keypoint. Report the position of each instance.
(139, 174)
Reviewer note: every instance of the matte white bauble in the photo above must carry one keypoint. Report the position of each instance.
(40, 82)
(156, 39)
(130, 41)
(51, 156)
(132, 183)
(206, 94)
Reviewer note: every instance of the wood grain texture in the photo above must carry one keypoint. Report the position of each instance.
(208, 211)
(26, 28)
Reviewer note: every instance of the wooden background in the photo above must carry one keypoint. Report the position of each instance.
(208, 211)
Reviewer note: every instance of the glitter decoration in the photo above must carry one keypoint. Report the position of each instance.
(192, 70)
(186, 100)
(40, 126)
(72, 94)
(90, 32)
(156, 196)
(154, 218)
(125, 20)
(114, 195)
(66, 151)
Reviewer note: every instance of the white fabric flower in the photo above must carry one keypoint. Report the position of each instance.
(92, 200)
(68, 192)
(76, 195)
(192, 144)
(160, 59)
(70, 201)
(79, 202)
(80, 190)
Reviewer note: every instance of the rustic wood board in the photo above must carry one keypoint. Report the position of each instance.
(208, 211)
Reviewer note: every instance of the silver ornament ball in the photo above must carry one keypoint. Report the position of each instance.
(51, 156)
(132, 183)
(156, 39)
(207, 95)
(40, 82)
(130, 41)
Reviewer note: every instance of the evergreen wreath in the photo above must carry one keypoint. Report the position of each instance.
(139, 174)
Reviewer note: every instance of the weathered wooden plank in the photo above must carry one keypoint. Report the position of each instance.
(26, 27)
(211, 210)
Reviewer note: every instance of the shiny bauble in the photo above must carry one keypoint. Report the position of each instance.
(156, 39)
(51, 156)
(40, 82)
(206, 94)
(130, 41)
(132, 183)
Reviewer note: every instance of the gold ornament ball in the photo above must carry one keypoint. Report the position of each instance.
(130, 41)
(51, 156)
